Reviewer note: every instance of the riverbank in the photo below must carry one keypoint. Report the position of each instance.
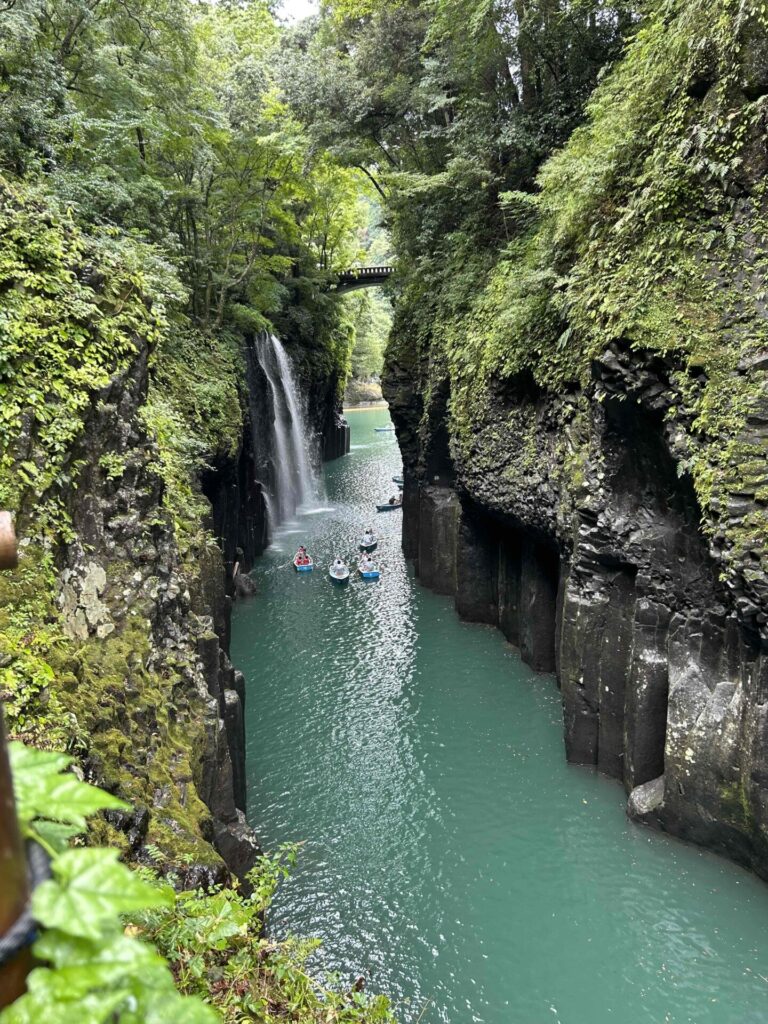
(362, 392)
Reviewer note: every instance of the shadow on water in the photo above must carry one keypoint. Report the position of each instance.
(450, 854)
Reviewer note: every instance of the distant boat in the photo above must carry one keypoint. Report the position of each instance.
(369, 574)
(368, 547)
(303, 568)
(398, 480)
(383, 430)
(341, 577)
(388, 507)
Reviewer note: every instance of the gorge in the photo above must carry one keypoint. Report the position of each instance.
(564, 201)
(450, 855)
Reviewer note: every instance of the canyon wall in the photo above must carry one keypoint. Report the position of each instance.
(568, 522)
(153, 686)
(582, 407)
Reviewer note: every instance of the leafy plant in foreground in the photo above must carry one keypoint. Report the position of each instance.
(100, 970)
(96, 972)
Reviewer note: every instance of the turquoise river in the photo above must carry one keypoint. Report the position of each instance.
(450, 854)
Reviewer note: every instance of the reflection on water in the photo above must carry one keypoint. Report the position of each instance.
(450, 854)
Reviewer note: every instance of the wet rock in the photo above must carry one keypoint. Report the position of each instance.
(438, 529)
(476, 574)
(245, 586)
(133, 824)
(235, 725)
(644, 801)
(238, 845)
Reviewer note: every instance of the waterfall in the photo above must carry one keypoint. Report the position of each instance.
(294, 483)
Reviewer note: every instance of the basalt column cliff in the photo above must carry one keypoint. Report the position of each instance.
(585, 449)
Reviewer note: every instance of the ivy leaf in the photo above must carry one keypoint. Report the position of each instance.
(83, 965)
(38, 1006)
(54, 834)
(43, 791)
(89, 888)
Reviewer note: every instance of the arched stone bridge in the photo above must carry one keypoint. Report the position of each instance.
(362, 277)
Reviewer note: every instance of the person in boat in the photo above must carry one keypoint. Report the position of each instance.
(367, 563)
(368, 537)
(302, 558)
(393, 500)
(339, 567)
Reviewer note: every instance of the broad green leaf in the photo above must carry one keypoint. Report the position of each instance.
(83, 965)
(89, 888)
(43, 791)
(38, 1007)
(54, 834)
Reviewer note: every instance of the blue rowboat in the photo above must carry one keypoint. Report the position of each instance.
(369, 574)
(397, 480)
(388, 507)
(303, 568)
(341, 578)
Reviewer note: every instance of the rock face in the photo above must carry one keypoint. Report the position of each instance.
(569, 521)
(125, 581)
(335, 435)
(162, 703)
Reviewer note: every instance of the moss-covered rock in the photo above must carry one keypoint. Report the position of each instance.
(596, 393)
(107, 419)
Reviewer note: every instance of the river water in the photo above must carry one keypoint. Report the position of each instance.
(450, 854)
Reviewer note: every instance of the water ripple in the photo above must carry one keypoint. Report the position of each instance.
(450, 854)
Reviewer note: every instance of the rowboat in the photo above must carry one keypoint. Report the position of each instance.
(388, 507)
(368, 547)
(397, 480)
(383, 430)
(342, 577)
(303, 568)
(369, 574)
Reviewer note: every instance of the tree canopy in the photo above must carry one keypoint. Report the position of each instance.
(163, 119)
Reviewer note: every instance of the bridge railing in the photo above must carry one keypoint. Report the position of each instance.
(367, 272)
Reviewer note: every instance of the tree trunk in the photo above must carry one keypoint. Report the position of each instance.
(526, 56)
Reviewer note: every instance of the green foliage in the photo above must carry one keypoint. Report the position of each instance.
(206, 943)
(371, 313)
(194, 413)
(94, 972)
(62, 340)
(31, 648)
(214, 943)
